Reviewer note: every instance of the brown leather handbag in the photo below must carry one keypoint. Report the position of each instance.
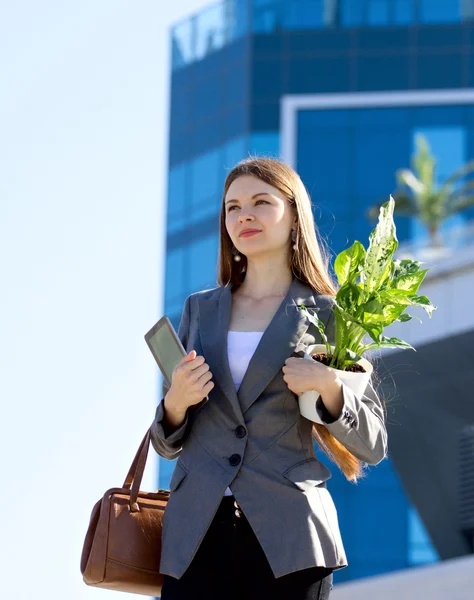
(122, 547)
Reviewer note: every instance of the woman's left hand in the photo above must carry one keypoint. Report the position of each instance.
(302, 375)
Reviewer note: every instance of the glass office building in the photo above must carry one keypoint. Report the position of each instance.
(339, 90)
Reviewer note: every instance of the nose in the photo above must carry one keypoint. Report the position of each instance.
(245, 217)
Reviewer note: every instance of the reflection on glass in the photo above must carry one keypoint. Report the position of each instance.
(440, 11)
(265, 144)
(467, 9)
(205, 184)
(448, 144)
(267, 16)
(306, 14)
(420, 548)
(166, 468)
(210, 30)
(220, 24)
(337, 148)
(403, 12)
(175, 275)
(203, 274)
(233, 152)
(378, 12)
(182, 51)
(352, 13)
(272, 15)
(177, 197)
(236, 19)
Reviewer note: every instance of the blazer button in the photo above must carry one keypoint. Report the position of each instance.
(235, 459)
(240, 431)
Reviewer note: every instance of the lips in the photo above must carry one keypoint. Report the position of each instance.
(249, 232)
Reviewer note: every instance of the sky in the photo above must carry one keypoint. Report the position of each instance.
(84, 111)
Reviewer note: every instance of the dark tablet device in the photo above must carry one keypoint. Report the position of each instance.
(165, 346)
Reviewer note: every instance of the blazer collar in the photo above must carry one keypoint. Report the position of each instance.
(277, 343)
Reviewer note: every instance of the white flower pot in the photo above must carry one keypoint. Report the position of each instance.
(357, 382)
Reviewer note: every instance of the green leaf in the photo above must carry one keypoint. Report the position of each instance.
(346, 265)
(350, 358)
(383, 243)
(424, 303)
(373, 311)
(382, 312)
(406, 317)
(409, 282)
(374, 330)
(395, 296)
(385, 342)
(400, 268)
(346, 316)
(349, 296)
(315, 320)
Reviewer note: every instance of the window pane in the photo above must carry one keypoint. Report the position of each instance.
(182, 51)
(166, 468)
(265, 144)
(205, 184)
(175, 276)
(351, 13)
(439, 11)
(267, 15)
(234, 151)
(237, 18)
(404, 12)
(203, 274)
(304, 14)
(210, 30)
(420, 548)
(177, 197)
(378, 12)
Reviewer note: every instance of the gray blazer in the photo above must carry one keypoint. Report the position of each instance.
(256, 442)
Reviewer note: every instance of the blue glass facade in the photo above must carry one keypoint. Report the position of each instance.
(232, 64)
(220, 25)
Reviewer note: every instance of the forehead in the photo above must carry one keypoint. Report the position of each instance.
(248, 185)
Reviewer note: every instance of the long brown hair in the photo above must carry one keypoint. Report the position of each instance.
(309, 263)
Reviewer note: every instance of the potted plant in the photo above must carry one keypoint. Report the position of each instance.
(375, 290)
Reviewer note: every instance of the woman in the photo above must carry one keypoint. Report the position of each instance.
(249, 515)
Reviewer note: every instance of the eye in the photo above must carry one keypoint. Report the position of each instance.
(234, 205)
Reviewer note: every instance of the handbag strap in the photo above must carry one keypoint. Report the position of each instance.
(135, 473)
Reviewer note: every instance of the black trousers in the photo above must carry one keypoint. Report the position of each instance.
(230, 565)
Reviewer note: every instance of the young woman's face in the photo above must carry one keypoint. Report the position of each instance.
(252, 203)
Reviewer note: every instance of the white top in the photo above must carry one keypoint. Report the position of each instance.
(241, 346)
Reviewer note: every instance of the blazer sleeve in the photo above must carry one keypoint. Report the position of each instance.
(166, 444)
(360, 426)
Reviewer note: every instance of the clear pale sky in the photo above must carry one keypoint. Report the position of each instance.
(83, 149)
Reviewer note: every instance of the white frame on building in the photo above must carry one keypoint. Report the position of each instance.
(290, 104)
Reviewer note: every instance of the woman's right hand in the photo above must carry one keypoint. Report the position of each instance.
(190, 383)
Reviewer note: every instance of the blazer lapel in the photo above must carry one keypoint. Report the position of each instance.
(278, 342)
